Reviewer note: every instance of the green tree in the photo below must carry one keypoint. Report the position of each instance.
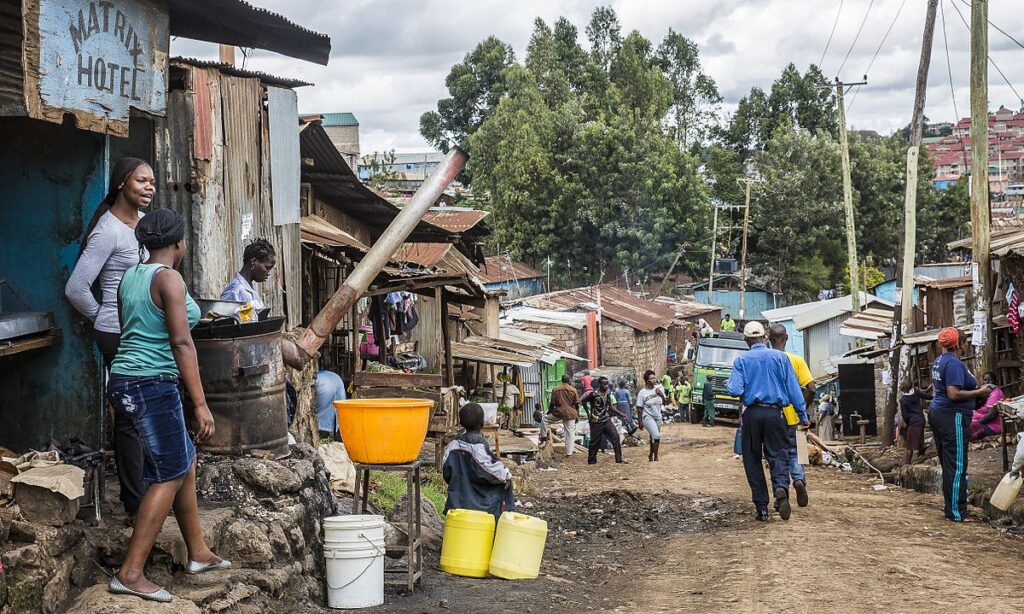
(474, 86)
(605, 35)
(943, 216)
(695, 96)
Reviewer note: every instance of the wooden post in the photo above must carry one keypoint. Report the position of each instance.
(227, 54)
(743, 246)
(446, 340)
(714, 248)
(851, 231)
(982, 267)
(903, 314)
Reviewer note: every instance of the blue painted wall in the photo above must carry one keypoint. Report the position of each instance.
(522, 288)
(53, 178)
(887, 291)
(729, 300)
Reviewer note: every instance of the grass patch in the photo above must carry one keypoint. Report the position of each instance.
(387, 488)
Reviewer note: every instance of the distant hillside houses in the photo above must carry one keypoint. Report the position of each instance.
(951, 154)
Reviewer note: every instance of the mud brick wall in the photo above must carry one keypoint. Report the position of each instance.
(565, 338)
(623, 346)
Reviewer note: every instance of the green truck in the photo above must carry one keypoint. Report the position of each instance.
(713, 366)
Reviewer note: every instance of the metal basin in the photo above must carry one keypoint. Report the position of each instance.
(243, 379)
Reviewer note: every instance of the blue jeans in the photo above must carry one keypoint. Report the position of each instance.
(796, 470)
(153, 406)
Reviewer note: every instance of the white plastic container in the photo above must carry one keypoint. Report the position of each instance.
(354, 557)
(490, 413)
(1006, 492)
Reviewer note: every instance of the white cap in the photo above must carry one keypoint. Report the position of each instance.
(753, 329)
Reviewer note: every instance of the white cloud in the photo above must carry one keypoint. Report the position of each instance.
(390, 58)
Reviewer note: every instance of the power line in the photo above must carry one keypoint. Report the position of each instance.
(856, 38)
(952, 89)
(993, 62)
(1001, 31)
(849, 107)
(832, 33)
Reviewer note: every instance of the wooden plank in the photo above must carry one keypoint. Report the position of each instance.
(52, 337)
(213, 220)
(802, 455)
(412, 380)
(396, 393)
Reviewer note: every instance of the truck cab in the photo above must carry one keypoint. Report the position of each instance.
(712, 367)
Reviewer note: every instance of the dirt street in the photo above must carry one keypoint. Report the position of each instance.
(679, 536)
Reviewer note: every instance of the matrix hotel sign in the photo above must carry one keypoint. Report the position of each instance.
(96, 59)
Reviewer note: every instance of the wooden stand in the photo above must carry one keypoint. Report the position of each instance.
(413, 528)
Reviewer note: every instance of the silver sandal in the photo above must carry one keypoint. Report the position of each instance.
(194, 567)
(159, 594)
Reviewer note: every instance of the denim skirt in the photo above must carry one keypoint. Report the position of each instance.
(153, 404)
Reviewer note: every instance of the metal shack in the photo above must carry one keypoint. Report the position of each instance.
(83, 83)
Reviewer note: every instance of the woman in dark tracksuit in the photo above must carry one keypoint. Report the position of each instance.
(955, 392)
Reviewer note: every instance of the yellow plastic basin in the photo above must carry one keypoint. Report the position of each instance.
(466, 549)
(383, 431)
(518, 546)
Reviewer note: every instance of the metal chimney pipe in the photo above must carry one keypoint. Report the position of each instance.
(297, 354)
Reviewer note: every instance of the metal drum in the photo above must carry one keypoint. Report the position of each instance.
(243, 378)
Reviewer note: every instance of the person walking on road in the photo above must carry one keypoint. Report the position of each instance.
(765, 382)
(565, 406)
(956, 390)
(649, 403)
(600, 404)
(624, 403)
(777, 337)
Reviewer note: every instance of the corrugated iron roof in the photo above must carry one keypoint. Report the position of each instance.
(490, 355)
(238, 23)
(455, 219)
(424, 254)
(945, 284)
(687, 309)
(616, 304)
(228, 69)
(339, 119)
(871, 323)
(498, 269)
(315, 229)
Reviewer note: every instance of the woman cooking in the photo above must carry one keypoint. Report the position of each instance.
(108, 250)
(956, 390)
(258, 260)
(155, 356)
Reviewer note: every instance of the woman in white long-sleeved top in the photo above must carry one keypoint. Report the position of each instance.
(108, 250)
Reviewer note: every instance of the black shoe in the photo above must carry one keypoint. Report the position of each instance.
(762, 515)
(622, 462)
(801, 493)
(782, 503)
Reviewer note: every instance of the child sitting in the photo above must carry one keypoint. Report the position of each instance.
(476, 479)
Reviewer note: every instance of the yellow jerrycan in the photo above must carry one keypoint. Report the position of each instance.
(518, 546)
(466, 548)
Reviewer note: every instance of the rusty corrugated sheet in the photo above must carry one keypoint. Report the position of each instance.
(616, 304)
(424, 254)
(317, 230)
(234, 71)
(497, 269)
(455, 219)
(945, 284)
(202, 130)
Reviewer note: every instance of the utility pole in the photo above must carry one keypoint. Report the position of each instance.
(672, 268)
(743, 246)
(851, 231)
(714, 248)
(982, 267)
(903, 314)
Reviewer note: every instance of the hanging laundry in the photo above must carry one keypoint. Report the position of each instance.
(1013, 313)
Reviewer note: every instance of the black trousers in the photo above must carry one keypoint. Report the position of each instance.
(952, 433)
(764, 428)
(601, 432)
(127, 446)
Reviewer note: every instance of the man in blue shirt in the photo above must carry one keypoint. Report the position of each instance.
(765, 382)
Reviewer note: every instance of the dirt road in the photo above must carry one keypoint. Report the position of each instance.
(679, 536)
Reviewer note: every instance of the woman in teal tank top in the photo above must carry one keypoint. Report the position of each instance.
(157, 355)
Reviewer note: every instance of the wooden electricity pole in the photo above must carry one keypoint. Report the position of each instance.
(903, 314)
(851, 230)
(714, 249)
(982, 268)
(743, 248)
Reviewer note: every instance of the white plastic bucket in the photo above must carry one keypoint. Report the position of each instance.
(354, 557)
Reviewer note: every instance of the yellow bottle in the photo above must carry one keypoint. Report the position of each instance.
(468, 537)
(518, 546)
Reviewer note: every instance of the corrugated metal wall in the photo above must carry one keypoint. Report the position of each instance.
(428, 332)
(823, 341)
(215, 154)
(53, 178)
(754, 302)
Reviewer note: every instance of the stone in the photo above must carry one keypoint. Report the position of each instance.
(233, 597)
(43, 506)
(55, 593)
(278, 541)
(218, 482)
(245, 544)
(22, 531)
(304, 470)
(267, 476)
(7, 515)
(98, 600)
(432, 524)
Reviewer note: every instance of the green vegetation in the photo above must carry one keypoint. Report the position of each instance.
(387, 488)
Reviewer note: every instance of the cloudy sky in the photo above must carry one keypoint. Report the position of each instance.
(389, 58)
